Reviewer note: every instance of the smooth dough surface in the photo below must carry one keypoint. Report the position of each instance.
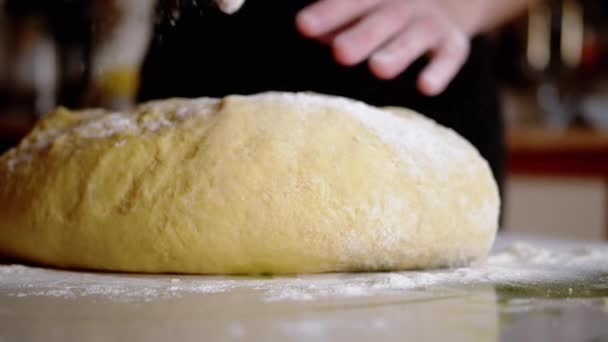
(268, 183)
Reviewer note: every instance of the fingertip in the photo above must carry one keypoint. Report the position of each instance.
(380, 65)
(342, 51)
(308, 24)
(430, 85)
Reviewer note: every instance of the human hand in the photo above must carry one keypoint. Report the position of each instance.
(391, 35)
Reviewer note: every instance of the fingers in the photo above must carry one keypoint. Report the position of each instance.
(326, 16)
(444, 65)
(448, 49)
(412, 43)
(392, 34)
(356, 44)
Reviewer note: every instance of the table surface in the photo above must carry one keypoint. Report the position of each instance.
(528, 289)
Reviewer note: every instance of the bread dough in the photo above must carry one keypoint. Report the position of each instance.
(269, 183)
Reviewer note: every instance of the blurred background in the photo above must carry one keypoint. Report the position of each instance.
(552, 63)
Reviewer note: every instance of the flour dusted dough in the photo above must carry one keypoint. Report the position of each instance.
(270, 183)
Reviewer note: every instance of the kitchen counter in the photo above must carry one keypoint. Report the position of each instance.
(529, 289)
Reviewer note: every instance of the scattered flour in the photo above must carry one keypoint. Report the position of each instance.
(149, 117)
(236, 330)
(106, 126)
(418, 133)
(155, 125)
(309, 328)
(520, 263)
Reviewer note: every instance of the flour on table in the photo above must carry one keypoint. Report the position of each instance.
(520, 263)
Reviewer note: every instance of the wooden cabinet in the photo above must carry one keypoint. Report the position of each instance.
(558, 183)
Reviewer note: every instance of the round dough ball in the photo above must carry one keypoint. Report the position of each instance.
(269, 183)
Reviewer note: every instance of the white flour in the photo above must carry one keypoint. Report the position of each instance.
(518, 264)
(97, 124)
(418, 133)
(106, 126)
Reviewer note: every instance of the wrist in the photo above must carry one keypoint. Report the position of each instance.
(479, 16)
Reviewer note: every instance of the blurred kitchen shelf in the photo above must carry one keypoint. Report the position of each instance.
(576, 152)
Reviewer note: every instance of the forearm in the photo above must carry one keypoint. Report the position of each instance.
(479, 16)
